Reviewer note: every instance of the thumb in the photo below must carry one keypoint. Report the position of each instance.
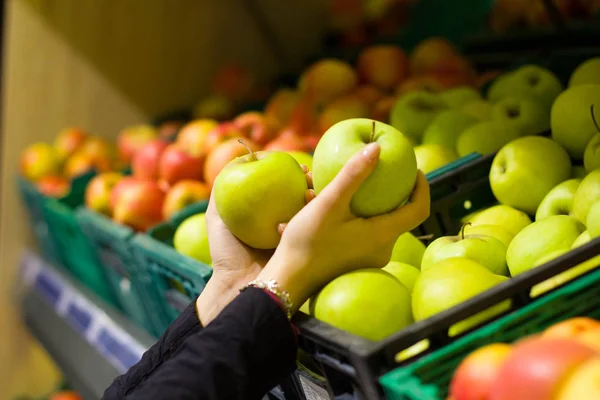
(356, 170)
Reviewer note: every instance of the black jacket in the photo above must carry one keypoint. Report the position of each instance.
(247, 350)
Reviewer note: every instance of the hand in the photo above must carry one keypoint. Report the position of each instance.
(234, 263)
(325, 240)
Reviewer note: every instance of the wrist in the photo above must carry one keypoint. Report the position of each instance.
(217, 294)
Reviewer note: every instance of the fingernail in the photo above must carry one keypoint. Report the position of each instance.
(371, 152)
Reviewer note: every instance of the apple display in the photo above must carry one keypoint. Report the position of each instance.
(68, 141)
(224, 153)
(140, 206)
(176, 164)
(446, 127)
(571, 119)
(433, 156)
(459, 96)
(508, 217)
(39, 160)
(145, 163)
(369, 303)
(586, 195)
(53, 186)
(98, 192)
(408, 249)
(486, 137)
(405, 273)
(559, 200)
(256, 192)
(192, 136)
(529, 115)
(383, 66)
(191, 239)
(302, 158)
(327, 79)
(393, 180)
(582, 383)
(183, 194)
(521, 174)
(496, 231)
(540, 238)
(587, 72)
(414, 111)
(132, 138)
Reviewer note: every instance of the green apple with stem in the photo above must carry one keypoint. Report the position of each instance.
(525, 170)
(559, 200)
(486, 137)
(509, 218)
(433, 156)
(408, 249)
(528, 114)
(446, 127)
(405, 273)
(392, 181)
(459, 96)
(591, 155)
(414, 111)
(586, 195)
(587, 72)
(256, 192)
(540, 238)
(191, 238)
(370, 303)
(496, 231)
(570, 120)
(483, 249)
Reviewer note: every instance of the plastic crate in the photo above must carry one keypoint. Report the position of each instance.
(176, 279)
(112, 245)
(428, 378)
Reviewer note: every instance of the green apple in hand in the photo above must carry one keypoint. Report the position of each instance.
(529, 116)
(368, 302)
(559, 200)
(586, 195)
(483, 249)
(486, 137)
(393, 180)
(302, 158)
(495, 231)
(446, 127)
(433, 156)
(541, 238)
(449, 283)
(459, 96)
(256, 192)
(571, 121)
(525, 170)
(408, 249)
(587, 72)
(191, 239)
(405, 273)
(414, 111)
(508, 217)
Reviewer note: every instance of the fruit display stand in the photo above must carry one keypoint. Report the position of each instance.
(175, 279)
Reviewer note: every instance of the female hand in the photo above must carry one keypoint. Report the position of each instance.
(325, 240)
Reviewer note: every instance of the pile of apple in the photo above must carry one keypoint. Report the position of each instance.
(561, 363)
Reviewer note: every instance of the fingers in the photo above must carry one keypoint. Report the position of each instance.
(309, 195)
(346, 183)
(304, 168)
(309, 180)
(281, 227)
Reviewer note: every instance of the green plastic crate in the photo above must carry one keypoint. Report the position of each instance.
(176, 279)
(428, 378)
(112, 245)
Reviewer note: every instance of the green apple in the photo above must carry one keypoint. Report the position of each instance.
(540, 238)
(586, 72)
(302, 158)
(433, 156)
(408, 249)
(500, 87)
(446, 127)
(483, 249)
(368, 302)
(508, 217)
(496, 231)
(571, 121)
(405, 273)
(478, 109)
(528, 114)
(593, 220)
(578, 172)
(191, 239)
(591, 155)
(256, 192)
(559, 200)
(486, 137)
(586, 195)
(393, 180)
(414, 111)
(449, 283)
(459, 96)
(525, 170)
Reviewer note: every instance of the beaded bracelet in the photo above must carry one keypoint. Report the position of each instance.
(273, 287)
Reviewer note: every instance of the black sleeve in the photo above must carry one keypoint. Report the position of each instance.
(247, 350)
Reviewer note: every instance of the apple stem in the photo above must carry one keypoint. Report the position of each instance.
(594, 118)
(372, 133)
(462, 230)
(252, 155)
(425, 237)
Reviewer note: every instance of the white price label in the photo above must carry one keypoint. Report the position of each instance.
(313, 391)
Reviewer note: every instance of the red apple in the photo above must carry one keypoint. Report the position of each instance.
(428, 83)
(305, 116)
(168, 130)
(433, 55)
(475, 375)
(39, 160)
(53, 186)
(192, 137)
(78, 164)
(176, 164)
(340, 109)
(99, 190)
(140, 206)
(288, 140)
(146, 160)
(381, 111)
(281, 105)
(590, 338)
(102, 152)
(368, 94)
(384, 66)
(571, 327)
(327, 79)
(583, 383)
(220, 134)
(536, 366)
(256, 126)
(224, 153)
(182, 194)
(311, 141)
(68, 141)
(134, 137)
(123, 185)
